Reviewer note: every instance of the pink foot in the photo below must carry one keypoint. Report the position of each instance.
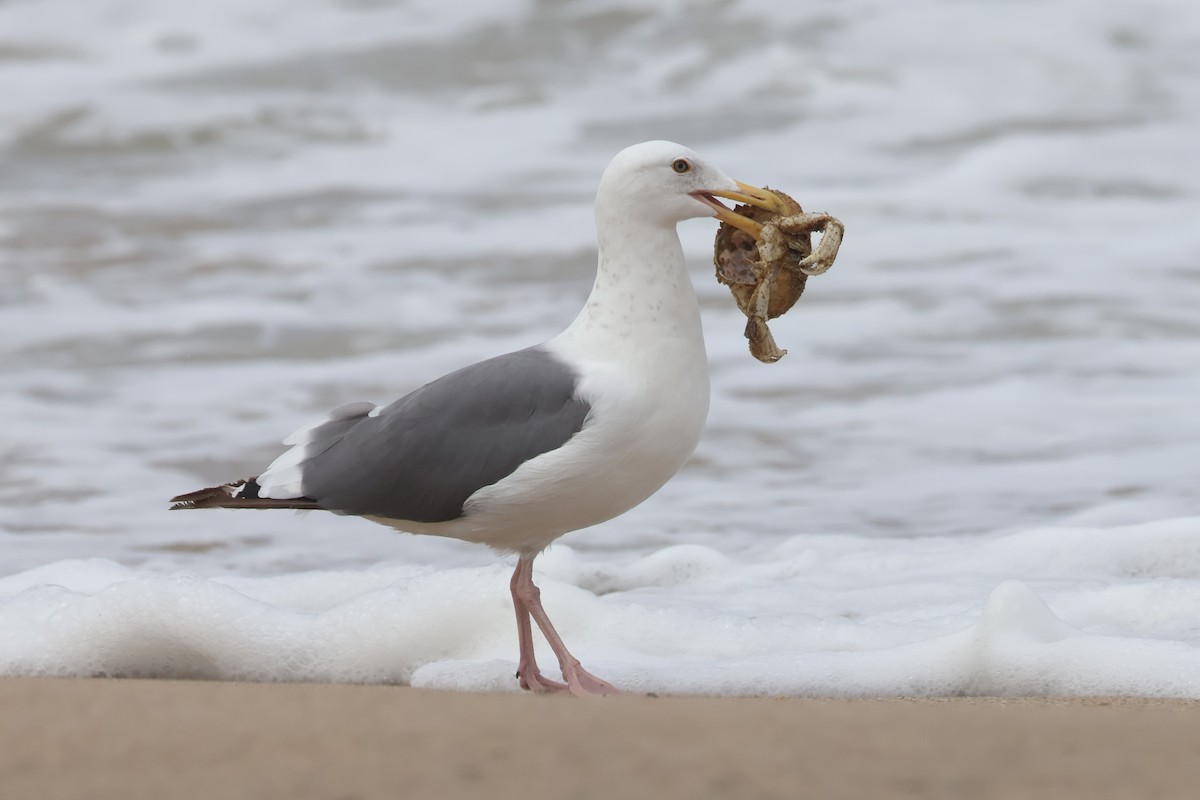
(580, 682)
(527, 602)
(533, 680)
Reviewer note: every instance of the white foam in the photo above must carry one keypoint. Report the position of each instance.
(838, 616)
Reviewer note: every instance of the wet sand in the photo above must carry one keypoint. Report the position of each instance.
(155, 739)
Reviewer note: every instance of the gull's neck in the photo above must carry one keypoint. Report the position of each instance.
(643, 297)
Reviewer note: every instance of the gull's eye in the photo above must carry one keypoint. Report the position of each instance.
(681, 165)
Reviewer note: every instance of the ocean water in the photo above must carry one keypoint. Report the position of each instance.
(976, 471)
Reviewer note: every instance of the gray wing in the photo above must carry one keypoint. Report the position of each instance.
(420, 458)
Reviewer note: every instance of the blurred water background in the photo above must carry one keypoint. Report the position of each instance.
(218, 220)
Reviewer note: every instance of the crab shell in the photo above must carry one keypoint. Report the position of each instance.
(740, 267)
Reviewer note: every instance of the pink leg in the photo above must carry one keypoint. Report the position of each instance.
(528, 597)
(527, 669)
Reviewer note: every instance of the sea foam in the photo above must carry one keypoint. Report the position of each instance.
(1046, 612)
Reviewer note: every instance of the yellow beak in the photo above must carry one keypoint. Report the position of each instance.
(750, 195)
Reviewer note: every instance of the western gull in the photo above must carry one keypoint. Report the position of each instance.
(515, 451)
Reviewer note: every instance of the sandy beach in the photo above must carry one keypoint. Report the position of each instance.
(155, 739)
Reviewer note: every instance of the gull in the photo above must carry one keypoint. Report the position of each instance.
(515, 451)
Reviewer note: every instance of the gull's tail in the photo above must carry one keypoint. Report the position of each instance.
(239, 494)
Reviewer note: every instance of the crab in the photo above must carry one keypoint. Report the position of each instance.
(765, 257)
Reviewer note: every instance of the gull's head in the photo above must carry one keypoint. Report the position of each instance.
(666, 183)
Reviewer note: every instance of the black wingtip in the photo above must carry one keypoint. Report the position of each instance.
(240, 494)
(212, 497)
